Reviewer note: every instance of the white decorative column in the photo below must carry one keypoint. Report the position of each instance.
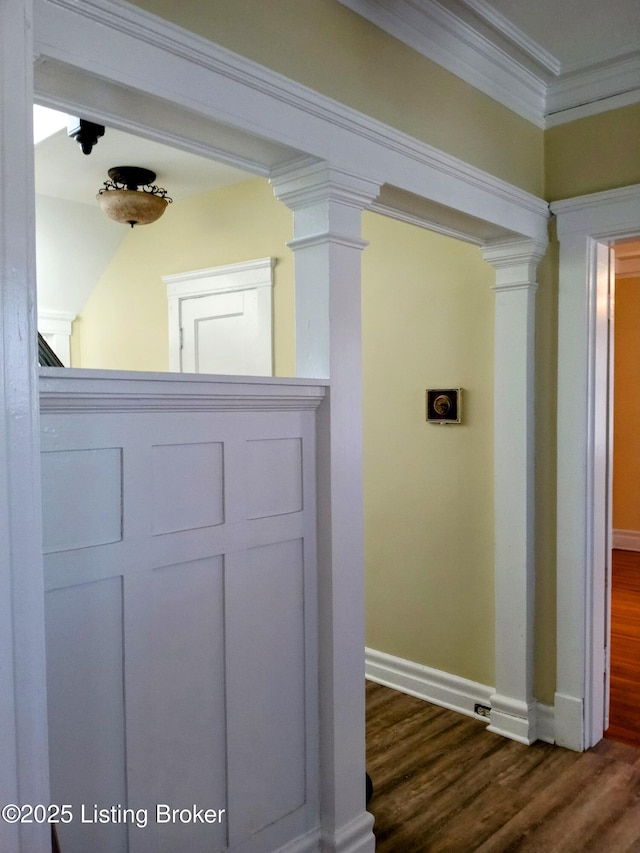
(327, 204)
(513, 708)
(24, 766)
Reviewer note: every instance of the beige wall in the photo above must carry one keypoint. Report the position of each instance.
(325, 46)
(626, 428)
(428, 323)
(593, 154)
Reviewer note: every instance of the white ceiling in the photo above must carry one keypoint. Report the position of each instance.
(578, 33)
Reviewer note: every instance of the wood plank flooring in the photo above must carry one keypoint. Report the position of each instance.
(624, 706)
(443, 784)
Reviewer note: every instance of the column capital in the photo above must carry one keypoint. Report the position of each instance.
(515, 262)
(306, 182)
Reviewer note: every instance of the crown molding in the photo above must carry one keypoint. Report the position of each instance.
(591, 88)
(443, 37)
(501, 24)
(522, 76)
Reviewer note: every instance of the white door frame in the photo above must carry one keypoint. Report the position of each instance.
(587, 227)
(255, 275)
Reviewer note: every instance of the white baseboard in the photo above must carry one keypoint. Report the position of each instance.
(546, 723)
(443, 688)
(307, 843)
(355, 837)
(626, 540)
(433, 685)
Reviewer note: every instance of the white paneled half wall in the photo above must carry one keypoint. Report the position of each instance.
(180, 571)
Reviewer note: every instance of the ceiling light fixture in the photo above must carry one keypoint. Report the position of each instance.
(121, 199)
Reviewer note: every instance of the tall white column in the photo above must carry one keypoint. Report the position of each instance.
(327, 204)
(513, 708)
(23, 740)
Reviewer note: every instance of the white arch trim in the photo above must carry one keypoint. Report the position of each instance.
(587, 226)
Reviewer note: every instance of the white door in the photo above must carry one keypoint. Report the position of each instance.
(220, 319)
(220, 335)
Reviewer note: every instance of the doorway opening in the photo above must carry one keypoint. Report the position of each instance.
(624, 631)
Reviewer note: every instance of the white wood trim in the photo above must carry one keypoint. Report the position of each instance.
(76, 390)
(443, 688)
(222, 86)
(586, 227)
(513, 711)
(626, 540)
(24, 763)
(327, 203)
(228, 278)
(546, 723)
(355, 837)
(594, 86)
(505, 27)
(424, 682)
(613, 102)
(308, 843)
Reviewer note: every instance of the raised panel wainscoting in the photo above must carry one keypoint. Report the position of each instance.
(181, 599)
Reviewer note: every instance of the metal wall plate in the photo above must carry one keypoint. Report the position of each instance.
(444, 405)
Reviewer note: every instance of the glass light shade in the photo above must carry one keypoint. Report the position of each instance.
(132, 207)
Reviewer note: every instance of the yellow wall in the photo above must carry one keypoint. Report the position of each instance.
(626, 437)
(330, 49)
(427, 321)
(598, 153)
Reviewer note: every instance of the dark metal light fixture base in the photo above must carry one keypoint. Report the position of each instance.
(132, 176)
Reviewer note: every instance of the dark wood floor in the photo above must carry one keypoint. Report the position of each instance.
(624, 705)
(443, 784)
